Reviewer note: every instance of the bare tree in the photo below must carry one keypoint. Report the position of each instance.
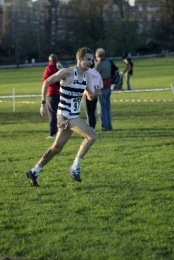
(167, 11)
(121, 4)
(87, 22)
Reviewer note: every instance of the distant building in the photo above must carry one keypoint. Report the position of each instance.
(147, 13)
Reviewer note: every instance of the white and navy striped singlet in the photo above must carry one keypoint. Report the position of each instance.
(70, 97)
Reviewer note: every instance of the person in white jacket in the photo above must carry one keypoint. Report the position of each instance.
(91, 105)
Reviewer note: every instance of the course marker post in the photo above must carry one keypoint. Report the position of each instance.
(172, 88)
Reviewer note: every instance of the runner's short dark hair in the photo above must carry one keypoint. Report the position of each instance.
(82, 51)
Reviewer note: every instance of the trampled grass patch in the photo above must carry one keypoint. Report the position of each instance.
(123, 209)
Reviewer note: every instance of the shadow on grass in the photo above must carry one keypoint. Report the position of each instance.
(20, 117)
(139, 132)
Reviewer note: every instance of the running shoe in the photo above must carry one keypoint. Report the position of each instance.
(75, 174)
(33, 178)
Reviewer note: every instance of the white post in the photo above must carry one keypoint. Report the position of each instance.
(14, 108)
(172, 88)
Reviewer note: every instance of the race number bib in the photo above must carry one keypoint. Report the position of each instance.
(75, 105)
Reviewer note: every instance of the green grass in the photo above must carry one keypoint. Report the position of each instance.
(149, 73)
(122, 210)
(29, 79)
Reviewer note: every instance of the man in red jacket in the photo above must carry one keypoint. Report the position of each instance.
(53, 97)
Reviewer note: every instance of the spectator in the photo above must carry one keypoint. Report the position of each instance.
(103, 66)
(90, 105)
(33, 61)
(53, 97)
(128, 71)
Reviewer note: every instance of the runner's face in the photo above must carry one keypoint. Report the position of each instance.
(86, 61)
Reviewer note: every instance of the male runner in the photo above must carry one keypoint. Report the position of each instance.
(73, 82)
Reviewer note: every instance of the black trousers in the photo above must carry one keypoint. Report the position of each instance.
(52, 106)
(90, 109)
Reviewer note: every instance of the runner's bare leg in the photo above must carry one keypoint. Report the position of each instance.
(61, 139)
(81, 127)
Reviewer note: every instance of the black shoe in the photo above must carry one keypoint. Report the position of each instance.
(75, 174)
(33, 178)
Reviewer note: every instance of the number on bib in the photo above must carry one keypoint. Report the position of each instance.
(75, 105)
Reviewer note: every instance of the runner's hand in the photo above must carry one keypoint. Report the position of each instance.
(43, 110)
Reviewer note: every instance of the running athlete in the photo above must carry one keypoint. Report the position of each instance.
(73, 82)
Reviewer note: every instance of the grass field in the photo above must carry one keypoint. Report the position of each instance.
(123, 209)
(150, 73)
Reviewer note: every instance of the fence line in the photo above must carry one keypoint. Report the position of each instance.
(171, 88)
(20, 96)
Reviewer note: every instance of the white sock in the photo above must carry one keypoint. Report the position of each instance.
(37, 168)
(77, 162)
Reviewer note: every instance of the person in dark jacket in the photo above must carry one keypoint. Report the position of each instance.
(103, 66)
(53, 97)
(128, 71)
